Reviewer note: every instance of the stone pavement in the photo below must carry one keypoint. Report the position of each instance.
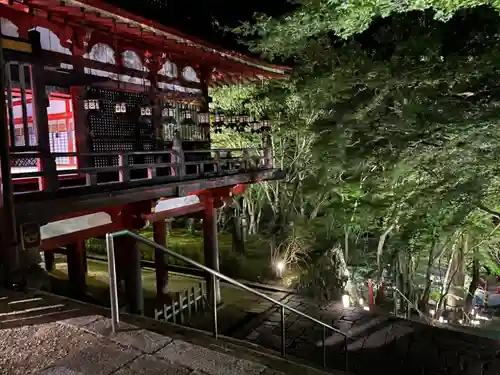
(381, 344)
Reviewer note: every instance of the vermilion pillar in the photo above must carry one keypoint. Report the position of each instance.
(77, 268)
(161, 263)
(211, 246)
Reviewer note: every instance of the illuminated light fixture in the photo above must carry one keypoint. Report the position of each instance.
(146, 108)
(243, 123)
(361, 302)
(232, 122)
(280, 268)
(203, 118)
(219, 119)
(432, 312)
(346, 301)
(120, 104)
(366, 308)
(441, 319)
(188, 120)
(91, 101)
(253, 125)
(168, 114)
(265, 124)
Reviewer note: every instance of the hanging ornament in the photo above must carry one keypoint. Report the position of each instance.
(120, 104)
(253, 125)
(91, 100)
(243, 123)
(219, 123)
(232, 122)
(146, 108)
(169, 122)
(265, 124)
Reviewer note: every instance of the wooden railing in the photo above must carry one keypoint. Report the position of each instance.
(184, 305)
(106, 168)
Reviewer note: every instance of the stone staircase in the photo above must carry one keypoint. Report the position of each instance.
(45, 334)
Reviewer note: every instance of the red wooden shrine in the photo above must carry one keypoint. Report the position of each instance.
(107, 127)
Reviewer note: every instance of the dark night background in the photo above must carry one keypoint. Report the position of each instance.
(204, 19)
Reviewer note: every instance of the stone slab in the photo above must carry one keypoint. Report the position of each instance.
(151, 365)
(95, 355)
(213, 363)
(129, 336)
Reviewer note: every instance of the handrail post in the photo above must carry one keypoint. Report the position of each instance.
(323, 342)
(283, 332)
(113, 287)
(214, 280)
(346, 353)
(214, 301)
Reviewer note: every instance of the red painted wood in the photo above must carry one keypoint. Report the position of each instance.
(371, 300)
(55, 242)
(66, 23)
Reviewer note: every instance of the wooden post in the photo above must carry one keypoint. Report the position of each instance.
(132, 272)
(50, 181)
(9, 251)
(161, 260)
(211, 246)
(178, 155)
(371, 301)
(48, 257)
(75, 255)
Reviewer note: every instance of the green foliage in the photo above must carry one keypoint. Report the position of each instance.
(388, 129)
(254, 265)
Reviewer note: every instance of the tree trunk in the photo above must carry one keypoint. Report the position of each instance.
(424, 300)
(474, 282)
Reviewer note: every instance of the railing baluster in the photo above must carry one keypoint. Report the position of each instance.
(165, 312)
(188, 301)
(283, 332)
(214, 302)
(195, 299)
(181, 307)
(174, 311)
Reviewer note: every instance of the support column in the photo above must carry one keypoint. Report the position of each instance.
(211, 247)
(9, 251)
(49, 179)
(75, 255)
(131, 257)
(48, 256)
(161, 262)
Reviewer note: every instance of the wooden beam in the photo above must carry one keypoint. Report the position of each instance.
(161, 216)
(44, 207)
(161, 260)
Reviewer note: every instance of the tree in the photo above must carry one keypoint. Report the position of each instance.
(389, 130)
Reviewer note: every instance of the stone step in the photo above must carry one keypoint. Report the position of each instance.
(82, 343)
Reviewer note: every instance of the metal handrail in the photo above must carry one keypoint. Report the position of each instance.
(429, 321)
(113, 290)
